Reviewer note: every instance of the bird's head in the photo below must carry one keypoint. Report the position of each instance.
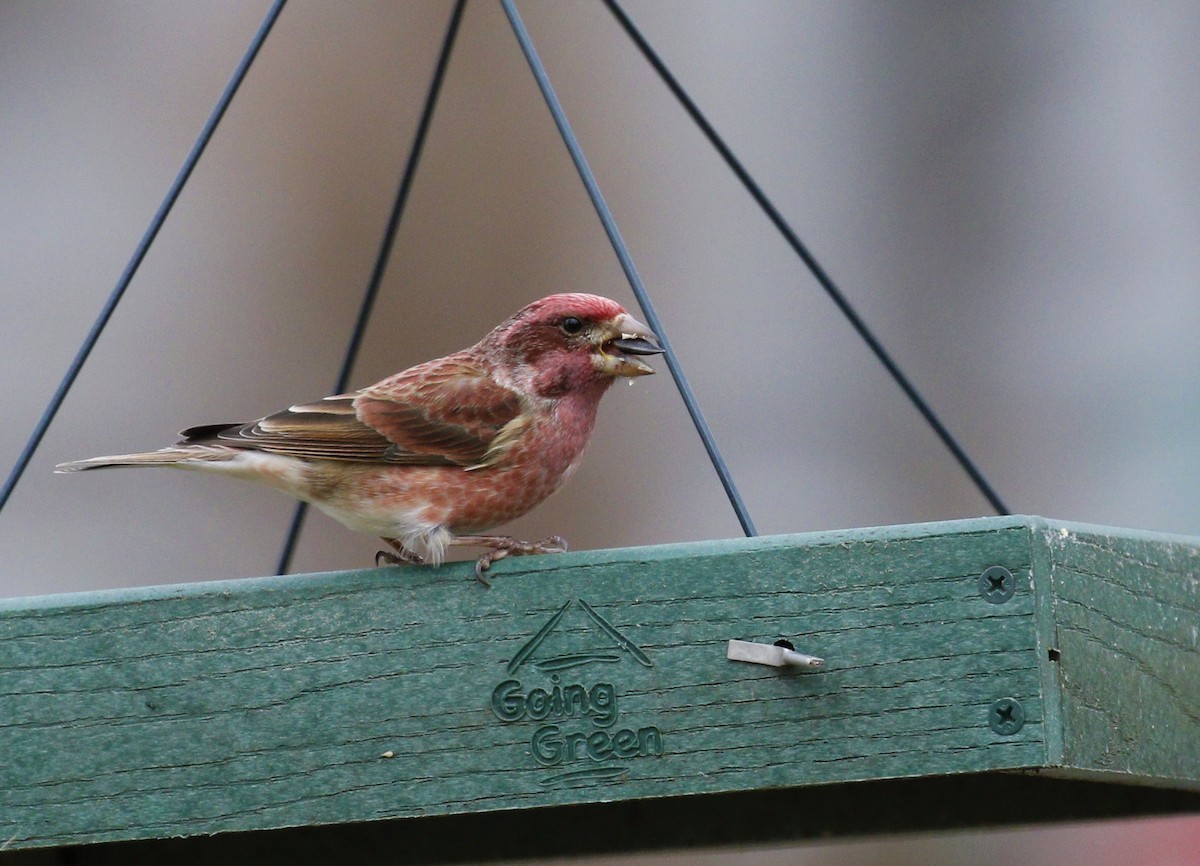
(574, 342)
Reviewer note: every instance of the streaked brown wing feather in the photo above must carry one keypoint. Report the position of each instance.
(448, 409)
(326, 430)
(441, 413)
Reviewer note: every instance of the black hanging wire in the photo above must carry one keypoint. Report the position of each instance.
(385, 251)
(622, 251)
(602, 210)
(802, 251)
(89, 342)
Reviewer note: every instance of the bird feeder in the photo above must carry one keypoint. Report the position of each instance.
(971, 673)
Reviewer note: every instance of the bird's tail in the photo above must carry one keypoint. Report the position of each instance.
(162, 457)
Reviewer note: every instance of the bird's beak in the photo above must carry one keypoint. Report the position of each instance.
(623, 340)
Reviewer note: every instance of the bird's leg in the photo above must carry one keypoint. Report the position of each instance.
(504, 545)
(402, 556)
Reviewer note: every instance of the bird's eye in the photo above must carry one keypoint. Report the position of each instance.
(571, 325)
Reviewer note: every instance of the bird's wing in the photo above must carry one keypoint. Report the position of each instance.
(449, 410)
(327, 429)
(441, 413)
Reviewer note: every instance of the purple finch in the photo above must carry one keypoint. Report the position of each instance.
(446, 450)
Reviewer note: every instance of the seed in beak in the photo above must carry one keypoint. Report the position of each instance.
(636, 346)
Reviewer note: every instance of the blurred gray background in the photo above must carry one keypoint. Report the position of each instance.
(1009, 193)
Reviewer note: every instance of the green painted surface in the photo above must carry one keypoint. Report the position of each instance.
(1126, 615)
(585, 678)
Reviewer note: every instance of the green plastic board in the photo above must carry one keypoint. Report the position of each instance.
(597, 685)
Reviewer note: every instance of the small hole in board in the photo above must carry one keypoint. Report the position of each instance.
(786, 644)
(1054, 654)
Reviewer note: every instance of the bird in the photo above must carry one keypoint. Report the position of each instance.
(441, 453)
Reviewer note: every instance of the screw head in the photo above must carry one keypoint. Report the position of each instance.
(997, 584)
(1006, 716)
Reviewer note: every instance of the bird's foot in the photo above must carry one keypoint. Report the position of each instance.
(402, 555)
(503, 546)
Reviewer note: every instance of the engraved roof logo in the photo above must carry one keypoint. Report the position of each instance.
(565, 688)
(578, 659)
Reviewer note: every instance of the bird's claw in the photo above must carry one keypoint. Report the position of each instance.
(553, 544)
(402, 556)
(503, 547)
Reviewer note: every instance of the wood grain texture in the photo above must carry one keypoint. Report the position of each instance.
(1126, 612)
(588, 678)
